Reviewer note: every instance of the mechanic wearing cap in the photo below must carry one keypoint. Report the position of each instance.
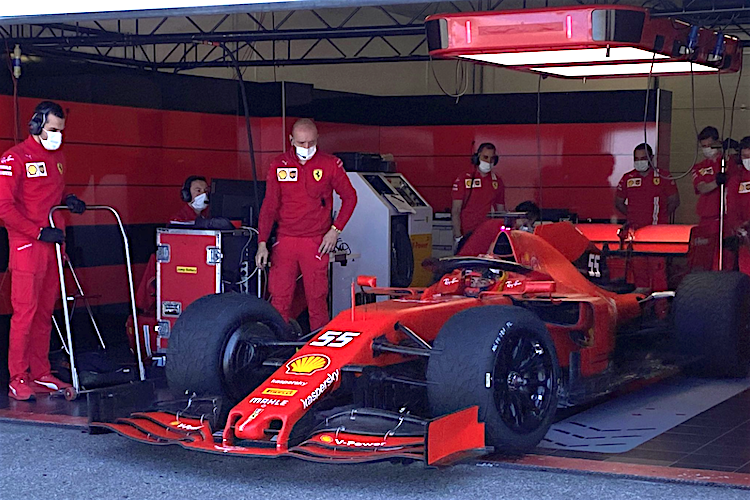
(476, 193)
(31, 183)
(299, 197)
(646, 199)
(738, 210)
(194, 193)
(707, 177)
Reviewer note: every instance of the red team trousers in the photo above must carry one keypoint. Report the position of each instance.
(35, 287)
(292, 255)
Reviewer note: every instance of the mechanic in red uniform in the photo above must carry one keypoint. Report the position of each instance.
(738, 208)
(707, 178)
(194, 193)
(646, 199)
(31, 183)
(476, 193)
(299, 197)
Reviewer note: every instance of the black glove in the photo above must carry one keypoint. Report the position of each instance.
(721, 178)
(52, 235)
(732, 243)
(74, 204)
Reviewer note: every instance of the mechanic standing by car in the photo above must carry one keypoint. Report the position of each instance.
(31, 183)
(646, 199)
(707, 177)
(738, 212)
(299, 197)
(476, 193)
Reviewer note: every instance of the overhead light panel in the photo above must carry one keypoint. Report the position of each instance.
(592, 41)
(569, 56)
(627, 69)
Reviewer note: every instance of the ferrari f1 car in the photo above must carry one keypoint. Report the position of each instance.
(479, 361)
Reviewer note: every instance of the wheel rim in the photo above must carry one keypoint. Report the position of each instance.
(242, 358)
(523, 381)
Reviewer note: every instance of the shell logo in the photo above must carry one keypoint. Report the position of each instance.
(308, 364)
(326, 439)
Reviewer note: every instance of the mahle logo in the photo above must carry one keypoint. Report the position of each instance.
(308, 364)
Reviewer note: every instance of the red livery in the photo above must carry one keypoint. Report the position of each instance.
(480, 360)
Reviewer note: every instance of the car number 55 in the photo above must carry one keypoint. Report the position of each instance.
(332, 338)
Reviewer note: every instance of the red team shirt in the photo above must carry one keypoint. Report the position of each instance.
(187, 214)
(709, 204)
(31, 182)
(478, 193)
(300, 197)
(738, 198)
(646, 196)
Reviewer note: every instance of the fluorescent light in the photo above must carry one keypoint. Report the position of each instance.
(628, 69)
(567, 56)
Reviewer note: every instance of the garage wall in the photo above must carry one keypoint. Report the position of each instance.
(417, 78)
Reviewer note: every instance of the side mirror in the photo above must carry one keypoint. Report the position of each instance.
(369, 281)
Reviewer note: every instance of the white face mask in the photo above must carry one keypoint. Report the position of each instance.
(709, 153)
(53, 141)
(640, 165)
(484, 167)
(305, 154)
(200, 202)
(746, 163)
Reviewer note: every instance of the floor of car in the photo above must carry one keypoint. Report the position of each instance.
(712, 446)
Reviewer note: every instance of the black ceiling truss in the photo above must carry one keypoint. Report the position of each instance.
(273, 39)
(270, 42)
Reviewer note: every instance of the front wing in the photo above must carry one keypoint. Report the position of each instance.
(441, 441)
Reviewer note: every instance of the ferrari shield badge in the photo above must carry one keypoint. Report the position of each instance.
(60, 168)
(656, 181)
(317, 174)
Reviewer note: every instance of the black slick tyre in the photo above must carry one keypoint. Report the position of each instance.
(216, 347)
(712, 320)
(503, 360)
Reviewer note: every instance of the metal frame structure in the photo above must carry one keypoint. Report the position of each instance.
(362, 34)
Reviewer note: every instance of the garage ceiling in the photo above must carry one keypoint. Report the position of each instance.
(309, 34)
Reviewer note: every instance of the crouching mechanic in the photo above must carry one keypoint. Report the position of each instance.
(31, 183)
(299, 197)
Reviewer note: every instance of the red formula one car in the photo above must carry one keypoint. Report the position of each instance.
(480, 360)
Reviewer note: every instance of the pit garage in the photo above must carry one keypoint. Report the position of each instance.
(544, 278)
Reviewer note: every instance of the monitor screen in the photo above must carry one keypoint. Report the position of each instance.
(234, 200)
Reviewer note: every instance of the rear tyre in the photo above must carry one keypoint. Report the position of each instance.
(217, 346)
(712, 319)
(503, 360)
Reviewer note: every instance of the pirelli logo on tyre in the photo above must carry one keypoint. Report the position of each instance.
(307, 364)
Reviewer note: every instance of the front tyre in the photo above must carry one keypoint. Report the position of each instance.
(503, 360)
(219, 344)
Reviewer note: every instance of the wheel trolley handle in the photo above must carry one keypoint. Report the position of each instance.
(63, 291)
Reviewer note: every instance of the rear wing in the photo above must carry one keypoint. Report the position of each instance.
(662, 239)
